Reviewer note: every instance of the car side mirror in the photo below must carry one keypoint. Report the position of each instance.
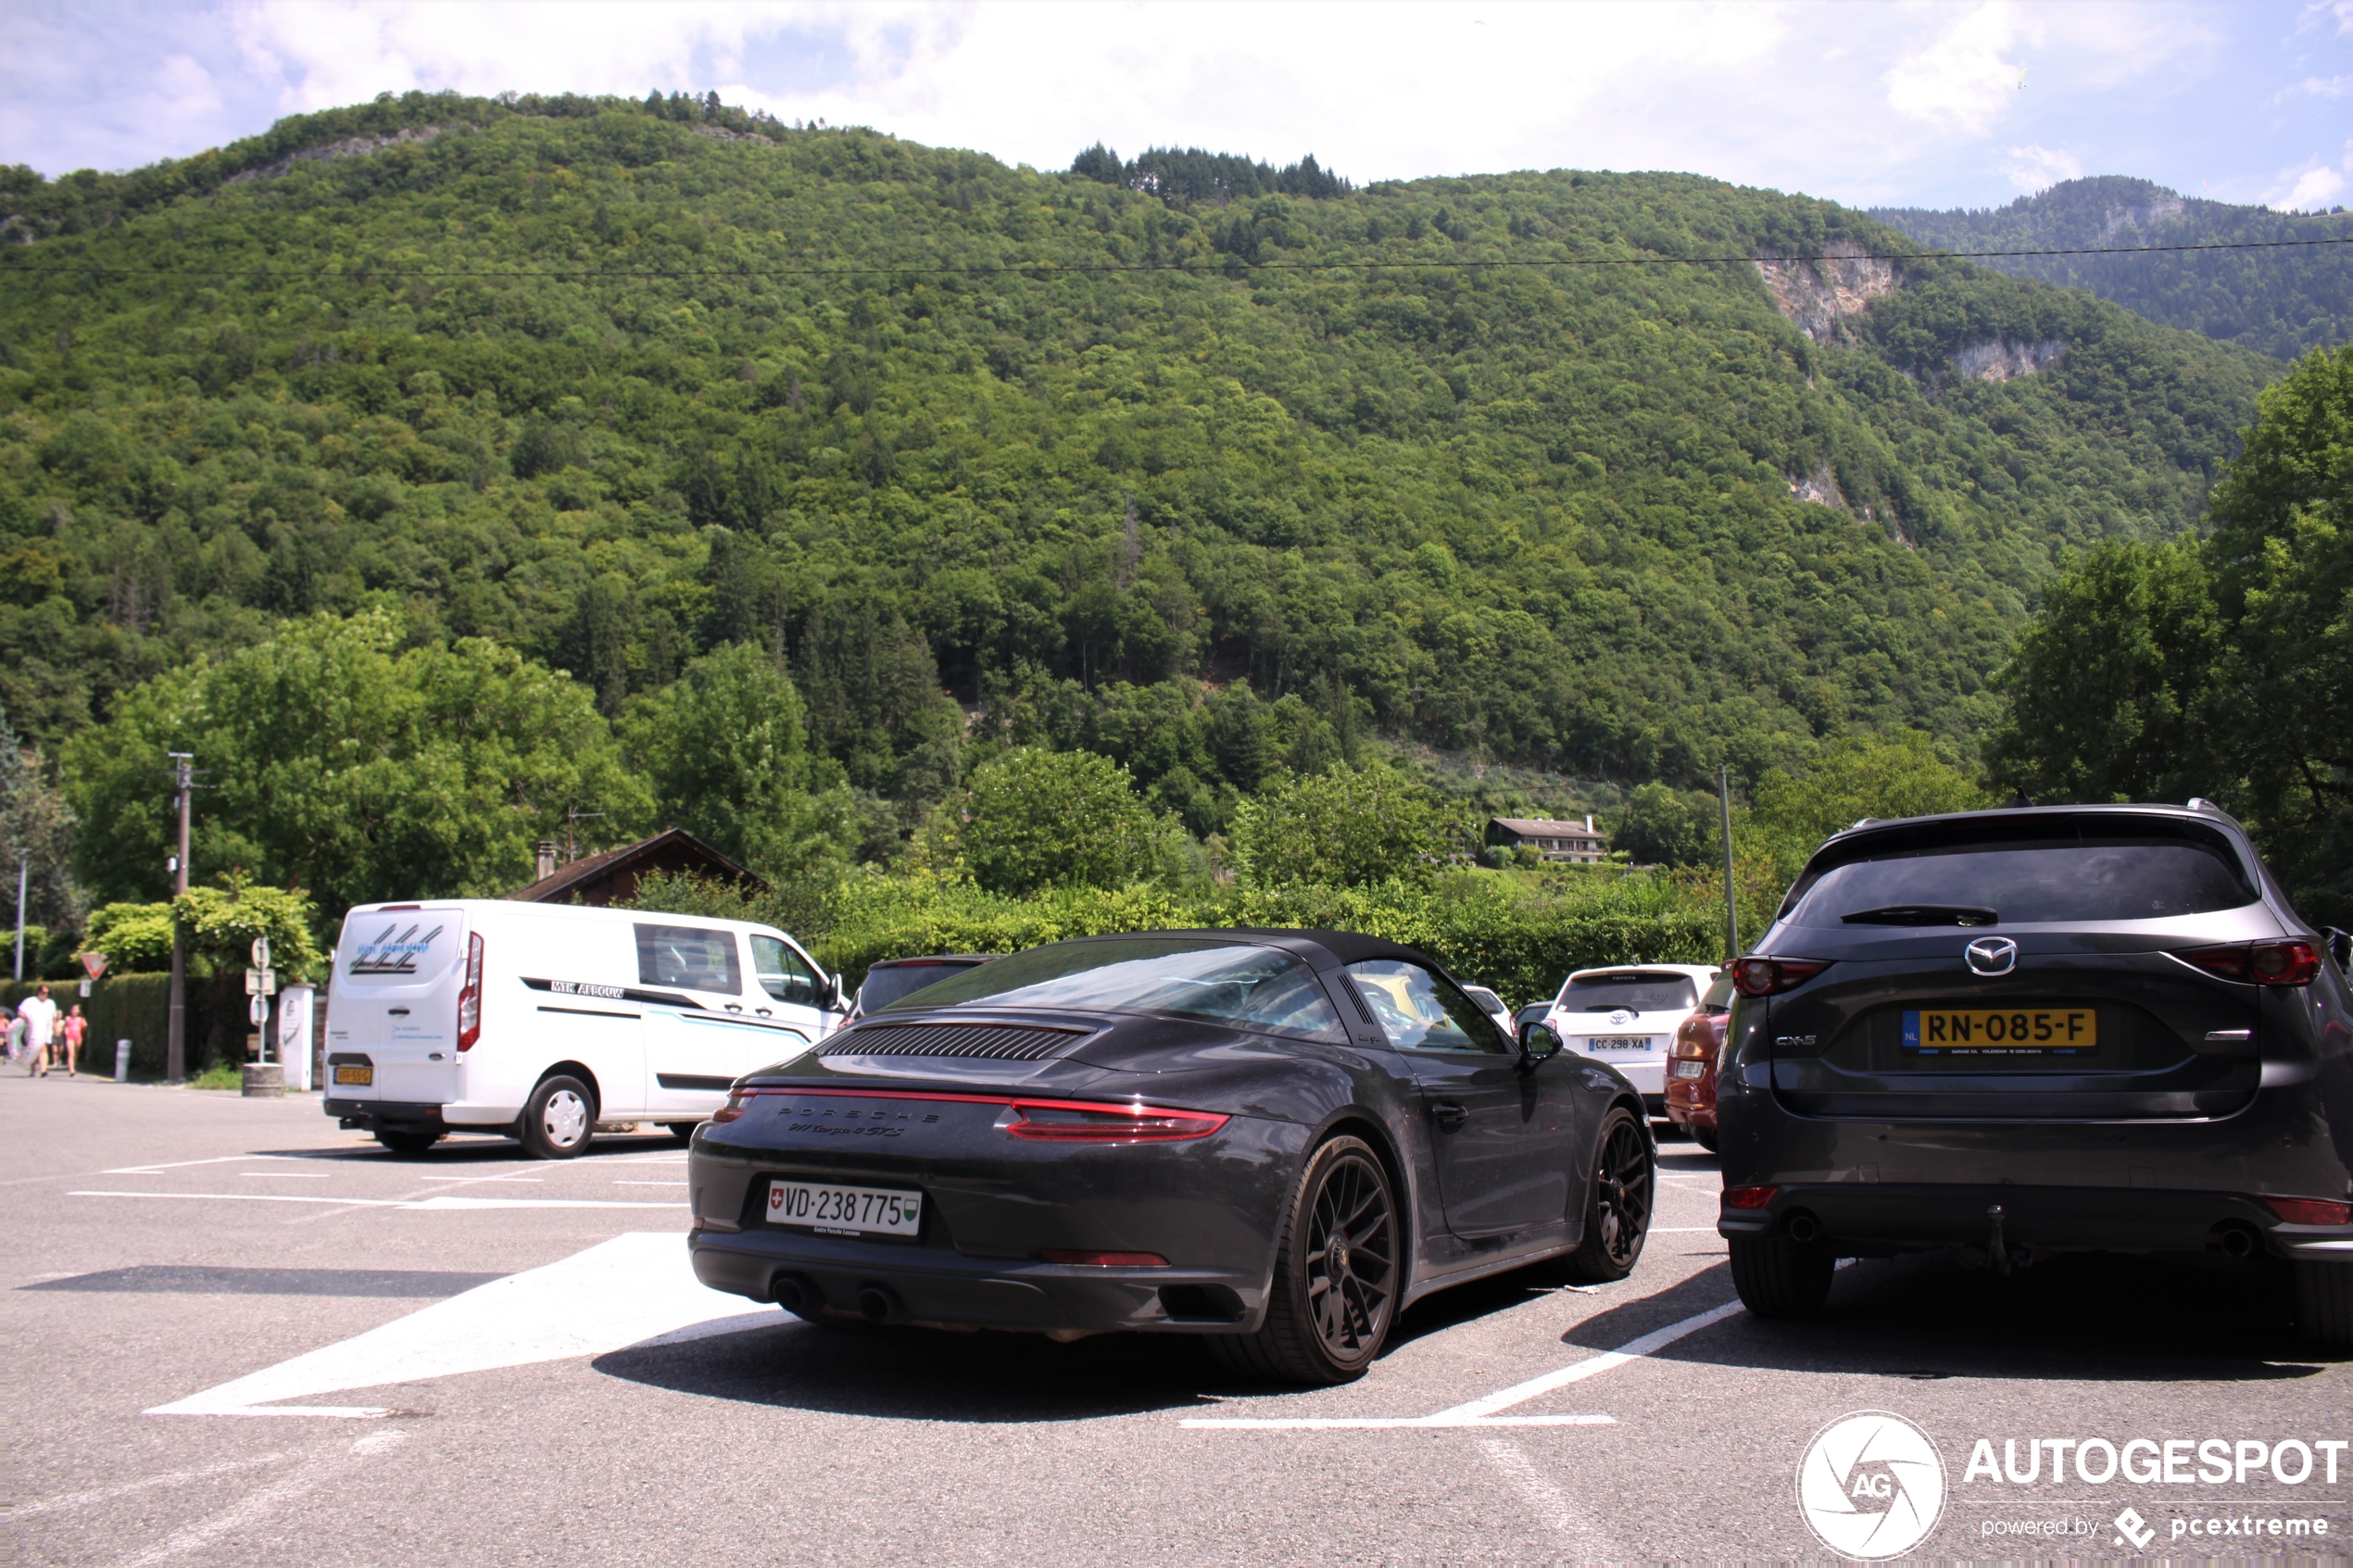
(1538, 1041)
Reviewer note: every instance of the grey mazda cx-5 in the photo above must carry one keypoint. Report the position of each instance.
(2040, 1030)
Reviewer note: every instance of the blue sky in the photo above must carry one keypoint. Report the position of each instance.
(1937, 105)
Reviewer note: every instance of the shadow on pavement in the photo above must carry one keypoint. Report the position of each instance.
(2078, 1318)
(478, 1149)
(927, 1374)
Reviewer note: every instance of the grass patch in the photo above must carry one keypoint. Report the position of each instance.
(219, 1075)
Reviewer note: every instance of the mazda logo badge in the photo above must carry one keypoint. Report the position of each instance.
(1991, 955)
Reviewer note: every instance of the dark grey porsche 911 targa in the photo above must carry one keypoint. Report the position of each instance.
(1276, 1138)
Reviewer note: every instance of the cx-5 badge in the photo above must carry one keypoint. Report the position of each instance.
(1991, 955)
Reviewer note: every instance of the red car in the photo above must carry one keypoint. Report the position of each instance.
(1691, 1065)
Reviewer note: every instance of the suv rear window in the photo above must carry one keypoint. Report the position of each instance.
(2025, 873)
(1636, 992)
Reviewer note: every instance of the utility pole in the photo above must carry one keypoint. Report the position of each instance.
(175, 1068)
(1731, 910)
(23, 861)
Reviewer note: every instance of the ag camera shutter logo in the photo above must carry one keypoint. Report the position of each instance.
(1871, 1485)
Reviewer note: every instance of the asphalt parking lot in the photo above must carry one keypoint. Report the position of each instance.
(235, 1331)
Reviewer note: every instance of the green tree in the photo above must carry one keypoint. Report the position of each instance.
(1660, 825)
(37, 827)
(223, 922)
(1339, 828)
(1035, 819)
(334, 760)
(727, 757)
(1894, 775)
(2111, 688)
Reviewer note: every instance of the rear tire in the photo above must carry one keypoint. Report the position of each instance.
(1337, 1266)
(2324, 1303)
(683, 1131)
(404, 1142)
(1705, 1137)
(560, 1120)
(1619, 1198)
(1777, 1278)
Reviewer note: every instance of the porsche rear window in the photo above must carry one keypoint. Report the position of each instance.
(1254, 988)
(2062, 873)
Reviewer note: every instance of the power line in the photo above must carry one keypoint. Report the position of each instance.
(362, 270)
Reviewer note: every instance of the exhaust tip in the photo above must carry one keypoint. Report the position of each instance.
(797, 1296)
(879, 1303)
(2236, 1241)
(1804, 1227)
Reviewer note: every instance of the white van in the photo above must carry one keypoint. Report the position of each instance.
(540, 1021)
(1626, 1015)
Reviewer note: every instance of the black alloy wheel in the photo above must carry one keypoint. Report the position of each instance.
(1617, 1208)
(1336, 1275)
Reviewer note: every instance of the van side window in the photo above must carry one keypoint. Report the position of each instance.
(782, 972)
(691, 956)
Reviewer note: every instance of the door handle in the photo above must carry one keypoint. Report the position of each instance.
(1448, 1115)
(734, 1006)
(764, 1012)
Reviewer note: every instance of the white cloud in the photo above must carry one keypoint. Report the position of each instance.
(2320, 87)
(2310, 188)
(1961, 79)
(2038, 169)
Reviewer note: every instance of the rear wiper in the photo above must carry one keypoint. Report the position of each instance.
(1923, 914)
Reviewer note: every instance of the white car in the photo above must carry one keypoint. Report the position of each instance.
(1492, 1006)
(1626, 1015)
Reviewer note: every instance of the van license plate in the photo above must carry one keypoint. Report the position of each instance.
(363, 1076)
(834, 1210)
(2004, 1032)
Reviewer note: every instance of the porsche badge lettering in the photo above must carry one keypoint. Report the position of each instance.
(835, 1123)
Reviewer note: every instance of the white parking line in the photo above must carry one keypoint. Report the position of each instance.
(634, 1289)
(441, 1201)
(1481, 1411)
(106, 1494)
(182, 1164)
(285, 1175)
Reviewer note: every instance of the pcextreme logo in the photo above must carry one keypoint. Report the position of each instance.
(1871, 1485)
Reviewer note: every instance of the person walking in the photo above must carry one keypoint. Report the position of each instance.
(40, 1015)
(14, 1031)
(70, 1031)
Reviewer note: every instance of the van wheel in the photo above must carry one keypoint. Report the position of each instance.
(406, 1143)
(1777, 1278)
(559, 1120)
(2324, 1303)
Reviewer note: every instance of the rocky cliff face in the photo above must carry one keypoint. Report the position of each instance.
(2003, 361)
(1821, 296)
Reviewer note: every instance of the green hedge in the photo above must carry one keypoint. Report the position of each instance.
(133, 1006)
(1487, 929)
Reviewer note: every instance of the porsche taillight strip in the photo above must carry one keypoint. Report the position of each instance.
(1136, 1123)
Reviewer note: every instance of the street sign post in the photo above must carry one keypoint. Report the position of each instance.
(261, 952)
(262, 983)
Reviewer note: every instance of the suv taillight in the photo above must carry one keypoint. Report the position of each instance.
(1766, 977)
(1695, 1040)
(2292, 962)
(470, 999)
(2312, 1210)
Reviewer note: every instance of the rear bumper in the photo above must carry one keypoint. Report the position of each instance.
(370, 1115)
(1918, 1217)
(931, 1285)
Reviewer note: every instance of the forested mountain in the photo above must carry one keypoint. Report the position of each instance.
(1547, 468)
(2283, 300)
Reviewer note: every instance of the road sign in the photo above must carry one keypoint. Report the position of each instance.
(95, 963)
(262, 983)
(261, 952)
(258, 1009)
